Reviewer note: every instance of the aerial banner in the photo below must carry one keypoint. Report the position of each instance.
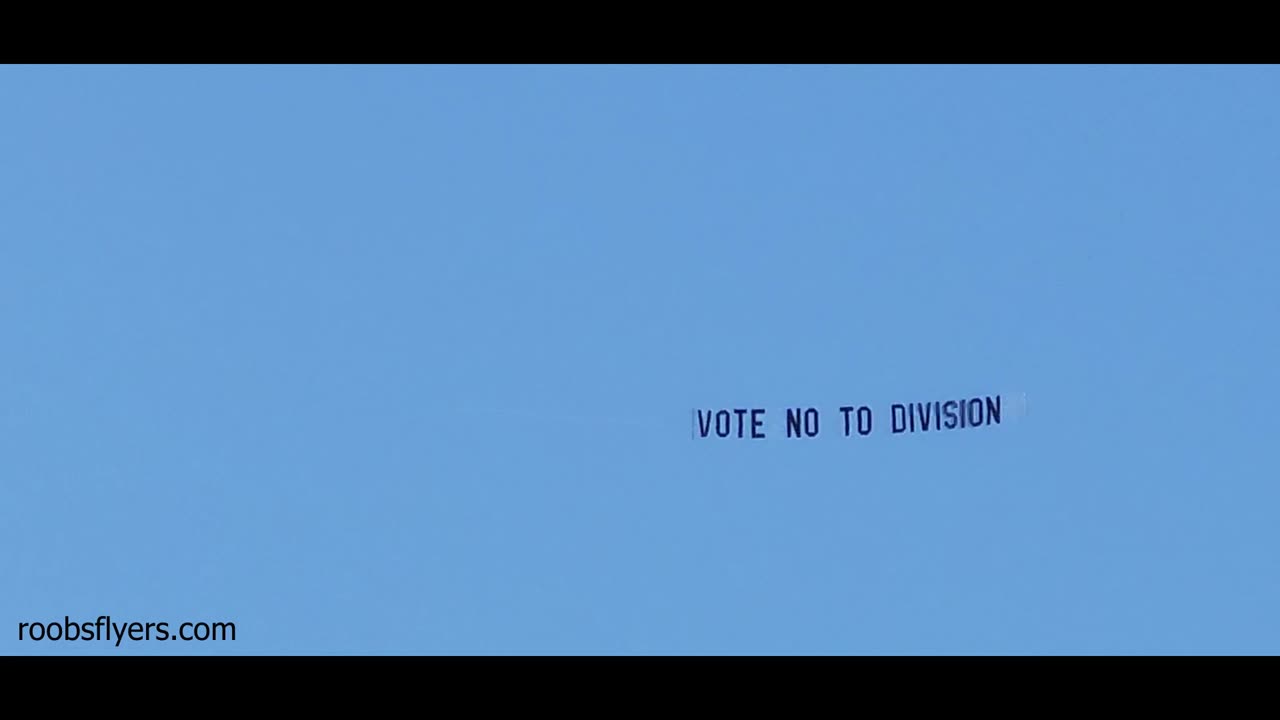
(946, 415)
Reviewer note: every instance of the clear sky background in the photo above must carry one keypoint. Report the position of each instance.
(403, 359)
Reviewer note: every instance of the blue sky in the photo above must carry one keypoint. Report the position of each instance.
(402, 360)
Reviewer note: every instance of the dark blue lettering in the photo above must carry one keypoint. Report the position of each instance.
(793, 422)
(975, 412)
(811, 422)
(864, 420)
(899, 414)
(704, 423)
(949, 409)
(844, 411)
(926, 415)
